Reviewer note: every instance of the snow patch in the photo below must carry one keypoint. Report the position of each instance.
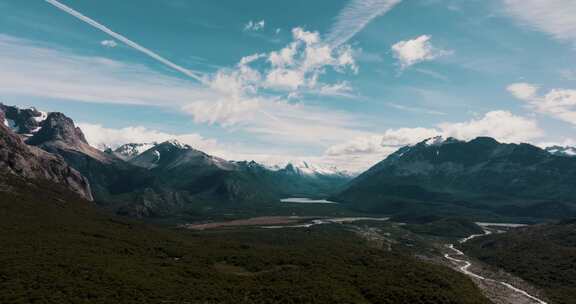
(156, 156)
(141, 148)
(11, 124)
(306, 168)
(133, 150)
(42, 117)
(565, 151)
(434, 141)
(177, 144)
(303, 200)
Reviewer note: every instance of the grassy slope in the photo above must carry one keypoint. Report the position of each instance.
(58, 249)
(443, 227)
(544, 255)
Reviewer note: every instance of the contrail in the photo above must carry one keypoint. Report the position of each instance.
(125, 40)
(355, 16)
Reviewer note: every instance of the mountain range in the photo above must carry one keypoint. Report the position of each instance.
(165, 179)
(480, 178)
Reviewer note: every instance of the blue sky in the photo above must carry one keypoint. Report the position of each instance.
(341, 82)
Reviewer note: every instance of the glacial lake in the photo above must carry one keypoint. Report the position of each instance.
(304, 200)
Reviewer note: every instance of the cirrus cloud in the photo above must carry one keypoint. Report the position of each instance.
(355, 17)
(555, 17)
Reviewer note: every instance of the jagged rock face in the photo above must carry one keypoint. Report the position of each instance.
(58, 127)
(174, 156)
(19, 159)
(128, 152)
(509, 179)
(22, 121)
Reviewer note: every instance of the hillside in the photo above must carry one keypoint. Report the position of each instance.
(543, 255)
(58, 249)
(480, 178)
(20, 160)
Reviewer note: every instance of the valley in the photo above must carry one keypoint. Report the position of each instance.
(73, 253)
(288, 152)
(211, 230)
(510, 294)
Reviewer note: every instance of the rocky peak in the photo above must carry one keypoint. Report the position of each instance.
(19, 159)
(22, 121)
(58, 127)
(176, 144)
(130, 151)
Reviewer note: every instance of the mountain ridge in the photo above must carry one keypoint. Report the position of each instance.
(168, 179)
(19, 159)
(476, 177)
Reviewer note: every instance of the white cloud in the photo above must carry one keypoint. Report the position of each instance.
(342, 89)
(555, 17)
(407, 136)
(285, 79)
(231, 97)
(292, 70)
(362, 152)
(411, 52)
(255, 26)
(355, 17)
(523, 90)
(380, 146)
(109, 43)
(284, 57)
(360, 145)
(307, 37)
(563, 142)
(299, 65)
(502, 125)
(102, 137)
(558, 103)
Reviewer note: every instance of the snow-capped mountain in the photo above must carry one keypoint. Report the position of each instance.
(172, 153)
(130, 151)
(306, 168)
(25, 122)
(562, 151)
(310, 169)
(477, 176)
(19, 159)
(434, 141)
(168, 178)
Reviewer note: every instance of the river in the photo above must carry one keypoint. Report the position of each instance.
(465, 266)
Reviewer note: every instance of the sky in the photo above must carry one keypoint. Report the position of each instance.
(334, 82)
